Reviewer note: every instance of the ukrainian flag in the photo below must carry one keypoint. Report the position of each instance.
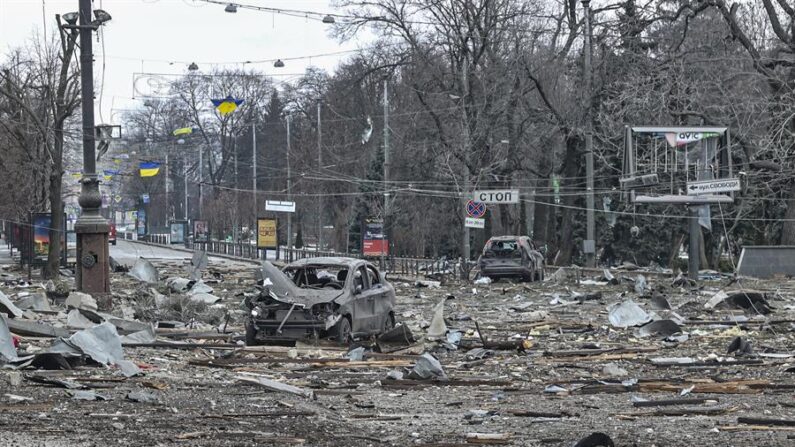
(182, 131)
(149, 168)
(227, 105)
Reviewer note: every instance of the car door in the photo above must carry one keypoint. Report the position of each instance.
(364, 301)
(382, 304)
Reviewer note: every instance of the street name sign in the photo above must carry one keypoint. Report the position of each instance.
(497, 196)
(473, 222)
(713, 186)
(280, 206)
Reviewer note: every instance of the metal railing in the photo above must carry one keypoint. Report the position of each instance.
(391, 264)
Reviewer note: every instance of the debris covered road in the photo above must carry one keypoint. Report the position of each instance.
(640, 360)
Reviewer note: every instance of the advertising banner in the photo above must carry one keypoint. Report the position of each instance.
(266, 234)
(200, 231)
(374, 241)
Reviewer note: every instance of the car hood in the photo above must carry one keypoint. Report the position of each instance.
(283, 289)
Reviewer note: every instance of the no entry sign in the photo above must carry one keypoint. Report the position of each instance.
(476, 209)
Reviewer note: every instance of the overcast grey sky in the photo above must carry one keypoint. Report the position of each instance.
(164, 36)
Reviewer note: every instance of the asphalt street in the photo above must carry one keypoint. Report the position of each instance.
(126, 252)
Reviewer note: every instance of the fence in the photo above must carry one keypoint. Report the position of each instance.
(391, 264)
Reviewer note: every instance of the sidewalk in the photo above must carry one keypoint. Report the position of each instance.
(5, 253)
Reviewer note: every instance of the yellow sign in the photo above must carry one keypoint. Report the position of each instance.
(266, 233)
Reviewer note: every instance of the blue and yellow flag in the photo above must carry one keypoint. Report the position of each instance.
(227, 105)
(149, 168)
(183, 130)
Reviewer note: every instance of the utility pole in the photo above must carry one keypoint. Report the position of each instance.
(92, 273)
(254, 169)
(319, 168)
(386, 172)
(589, 244)
(289, 192)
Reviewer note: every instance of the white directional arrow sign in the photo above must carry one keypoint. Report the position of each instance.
(713, 186)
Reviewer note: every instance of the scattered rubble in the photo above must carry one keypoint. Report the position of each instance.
(583, 359)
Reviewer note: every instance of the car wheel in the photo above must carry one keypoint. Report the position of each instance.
(113, 243)
(251, 333)
(343, 332)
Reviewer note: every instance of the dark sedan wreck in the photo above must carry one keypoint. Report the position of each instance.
(341, 298)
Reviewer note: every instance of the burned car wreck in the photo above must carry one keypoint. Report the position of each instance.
(511, 257)
(339, 298)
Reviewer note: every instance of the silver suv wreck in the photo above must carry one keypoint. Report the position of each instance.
(339, 298)
(511, 257)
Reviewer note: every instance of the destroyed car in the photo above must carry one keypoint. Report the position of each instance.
(511, 257)
(339, 298)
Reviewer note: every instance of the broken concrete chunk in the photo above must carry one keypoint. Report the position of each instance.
(427, 368)
(627, 314)
(613, 370)
(8, 308)
(395, 375)
(143, 270)
(80, 300)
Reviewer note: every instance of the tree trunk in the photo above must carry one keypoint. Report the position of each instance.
(53, 268)
(571, 164)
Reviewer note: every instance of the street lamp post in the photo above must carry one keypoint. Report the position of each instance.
(92, 273)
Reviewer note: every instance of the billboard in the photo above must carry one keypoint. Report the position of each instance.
(42, 223)
(177, 232)
(141, 222)
(374, 241)
(266, 234)
(200, 231)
